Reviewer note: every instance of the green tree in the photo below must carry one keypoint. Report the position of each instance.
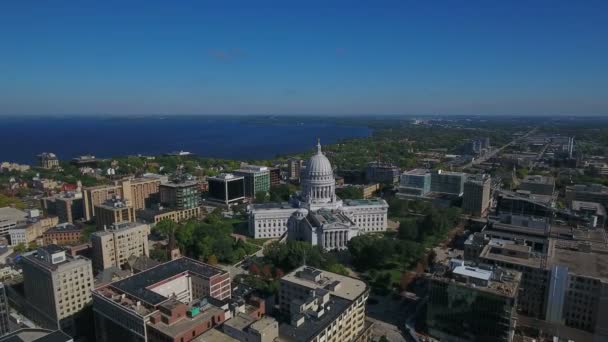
(261, 197)
(166, 227)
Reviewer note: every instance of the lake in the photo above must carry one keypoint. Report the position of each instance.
(21, 139)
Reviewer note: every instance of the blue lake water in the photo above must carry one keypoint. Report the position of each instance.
(21, 139)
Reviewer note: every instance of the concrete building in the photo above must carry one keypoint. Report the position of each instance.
(594, 213)
(140, 192)
(175, 301)
(4, 311)
(448, 182)
(472, 304)
(112, 212)
(48, 160)
(226, 188)
(180, 194)
(476, 195)
(9, 218)
(157, 214)
(67, 206)
(115, 245)
(257, 179)
(57, 286)
(415, 182)
(246, 328)
(524, 204)
(383, 173)
(588, 193)
(538, 185)
(29, 231)
(62, 234)
(565, 286)
(294, 167)
(275, 176)
(322, 305)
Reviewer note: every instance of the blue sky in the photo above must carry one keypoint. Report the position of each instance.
(309, 57)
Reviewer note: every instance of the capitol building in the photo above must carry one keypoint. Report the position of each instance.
(316, 214)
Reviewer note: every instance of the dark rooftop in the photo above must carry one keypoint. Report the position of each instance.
(137, 285)
(313, 326)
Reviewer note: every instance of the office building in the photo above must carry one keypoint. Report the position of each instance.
(565, 286)
(415, 182)
(57, 286)
(538, 185)
(300, 219)
(179, 299)
(4, 311)
(226, 188)
(322, 305)
(29, 231)
(472, 304)
(446, 182)
(594, 214)
(67, 206)
(257, 179)
(524, 204)
(36, 335)
(476, 195)
(180, 194)
(588, 193)
(294, 167)
(62, 234)
(275, 176)
(383, 173)
(48, 160)
(112, 212)
(116, 244)
(9, 218)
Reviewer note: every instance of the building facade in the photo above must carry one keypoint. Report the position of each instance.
(4, 311)
(30, 231)
(58, 286)
(62, 234)
(180, 194)
(10, 218)
(257, 179)
(115, 245)
(48, 160)
(415, 182)
(383, 173)
(537, 184)
(337, 222)
(112, 212)
(226, 188)
(448, 182)
(476, 195)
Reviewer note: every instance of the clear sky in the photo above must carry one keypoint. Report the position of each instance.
(304, 57)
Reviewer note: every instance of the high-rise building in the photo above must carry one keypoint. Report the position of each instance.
(294, 167)
(67, 206)
(472, 304)
(539, 185)
(257, 179)
(112, 212)
(116, 244)
(48, 160)
(476, 195)
(415, 182)
(180, 194)
(226, 188)
(4, 311)
(175, 301)
(57, 286)
(448, 182)
(320, 304)
(275, 176)
(379, 172)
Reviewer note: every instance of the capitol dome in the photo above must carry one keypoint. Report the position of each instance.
(318, 184)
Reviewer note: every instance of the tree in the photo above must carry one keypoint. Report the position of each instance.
(408, 229)
(20, 248)
(261, 197)
(254, 269)
(166, 228)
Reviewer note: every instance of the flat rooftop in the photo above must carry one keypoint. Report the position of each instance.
(313, 326)
(417, 172)
(324, 216)
(137, 285)
(187, 323)
(539, 179)
(498, 281)
(590, 206)
(214, 335)
(63, 227)
(364, 202)
(273, 206)
(339, 285)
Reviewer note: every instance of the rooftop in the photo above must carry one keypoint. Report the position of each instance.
(339, 285)
(271, 206)
(494, 280)
(63, 227)
(326, 216)
(137, 286)
(225, 177)
(36, 335)
(417, 172)
(364, 202)
(539, 179)
(187, 323)
(214, 335)
(589, 206)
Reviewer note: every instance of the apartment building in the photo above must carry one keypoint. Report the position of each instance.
(112, 212)
(322, 306)
(116, 244)
(175, 301)
(57, 286)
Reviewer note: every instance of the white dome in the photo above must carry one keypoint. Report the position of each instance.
(319, 165)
